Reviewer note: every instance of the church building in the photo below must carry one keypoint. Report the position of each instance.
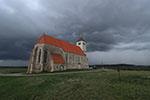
(51, 54)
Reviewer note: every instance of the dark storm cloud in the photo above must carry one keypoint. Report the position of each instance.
(105, 24)
(16, 48)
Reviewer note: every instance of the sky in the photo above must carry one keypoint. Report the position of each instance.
(116, 31)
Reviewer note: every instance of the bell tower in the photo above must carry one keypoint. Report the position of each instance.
(81, 43)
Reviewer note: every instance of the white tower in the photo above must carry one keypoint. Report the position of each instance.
(81, 43)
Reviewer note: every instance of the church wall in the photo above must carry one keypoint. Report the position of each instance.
(34, 64)
(50, 65)
(74, 62)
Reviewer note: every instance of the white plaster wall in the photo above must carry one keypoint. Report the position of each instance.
(83, 47)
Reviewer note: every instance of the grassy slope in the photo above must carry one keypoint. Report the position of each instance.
(134, 85)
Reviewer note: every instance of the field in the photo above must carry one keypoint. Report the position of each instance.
(101, 85)
(12, 70)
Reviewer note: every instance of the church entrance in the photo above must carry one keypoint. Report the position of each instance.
(61, 67)
(79, 66)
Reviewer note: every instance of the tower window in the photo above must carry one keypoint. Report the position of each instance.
(79, 43)
(83, 43)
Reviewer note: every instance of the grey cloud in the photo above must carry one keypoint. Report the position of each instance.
(104, 23)
(120, 57)
(16, 48)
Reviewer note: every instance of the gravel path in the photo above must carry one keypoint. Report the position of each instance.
(43, 74)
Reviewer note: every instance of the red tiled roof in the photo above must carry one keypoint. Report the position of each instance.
(67, 47)
(57, 58)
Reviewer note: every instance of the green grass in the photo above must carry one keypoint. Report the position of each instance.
(102, 85)
(13, 70)
(68, 70)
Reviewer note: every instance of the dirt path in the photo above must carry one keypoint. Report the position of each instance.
(43, 74)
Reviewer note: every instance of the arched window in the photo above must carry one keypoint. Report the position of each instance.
(39, 56)
(45, 56)
(35, 53)
(73, 58)
(67, 60)
(79, 59)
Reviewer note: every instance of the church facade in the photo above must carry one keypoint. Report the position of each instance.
(51, 54)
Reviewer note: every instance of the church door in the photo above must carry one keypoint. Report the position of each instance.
(79, 66)
(61, 67)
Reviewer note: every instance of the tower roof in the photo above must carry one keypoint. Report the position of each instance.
(81, 38)
(66, 46)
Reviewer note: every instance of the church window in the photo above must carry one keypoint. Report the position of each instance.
(67, 58)
(39, 56)
(79, 59)
(35, 54)
(45, 56)
(83, 43)
(79, 43)
(73, 58)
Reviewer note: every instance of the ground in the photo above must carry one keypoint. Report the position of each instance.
(102, 84)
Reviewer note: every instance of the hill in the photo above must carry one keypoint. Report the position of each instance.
(122, 66)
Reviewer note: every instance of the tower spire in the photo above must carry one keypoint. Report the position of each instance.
(81, 37)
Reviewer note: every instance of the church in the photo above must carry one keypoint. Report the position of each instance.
(51, 54)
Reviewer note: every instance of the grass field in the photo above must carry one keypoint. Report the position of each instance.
(101, 85)
(13, 70)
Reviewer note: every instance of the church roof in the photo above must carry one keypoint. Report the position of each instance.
(57, 58)
(66, 46)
